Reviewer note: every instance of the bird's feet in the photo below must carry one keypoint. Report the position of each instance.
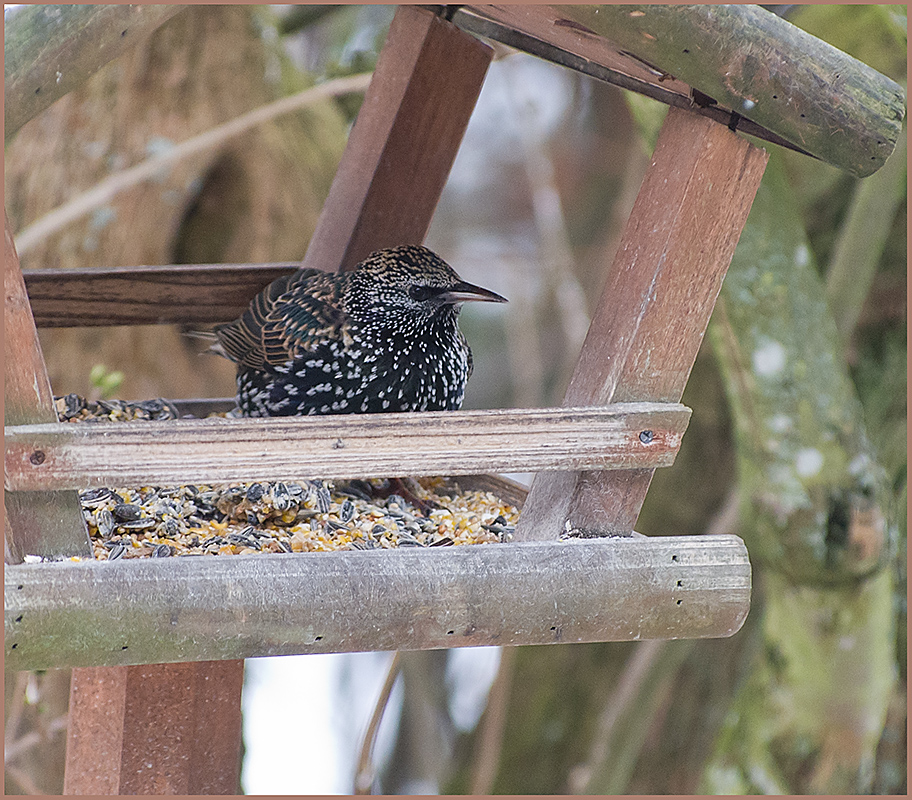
(395, 486)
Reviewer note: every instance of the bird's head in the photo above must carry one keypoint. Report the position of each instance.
(409, 280)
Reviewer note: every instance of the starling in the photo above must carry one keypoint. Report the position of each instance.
(382, 337)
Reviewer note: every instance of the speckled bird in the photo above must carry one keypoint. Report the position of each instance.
(381, 337)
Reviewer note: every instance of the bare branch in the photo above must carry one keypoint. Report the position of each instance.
(364, 772)
(29, 237)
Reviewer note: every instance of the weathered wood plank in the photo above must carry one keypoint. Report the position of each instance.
(654, 309)
(160, 729)
(219, 607)
(184, 293)
(766, 69)
(336, 447)
(27, 391)
(403, 143)
(41, 523)
(626, 435)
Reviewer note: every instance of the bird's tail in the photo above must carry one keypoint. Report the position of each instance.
(215, 346)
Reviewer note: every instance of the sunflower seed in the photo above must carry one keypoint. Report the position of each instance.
(138, 524)
(95, 497)
(125, 512)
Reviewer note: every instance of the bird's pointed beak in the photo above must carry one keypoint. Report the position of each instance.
(462, 291)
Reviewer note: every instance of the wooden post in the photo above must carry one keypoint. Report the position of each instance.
(404, 141)
(653, 311)
(184, 720)
(158, 729)
(37, 523)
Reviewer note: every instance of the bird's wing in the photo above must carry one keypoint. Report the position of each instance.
(292, 315)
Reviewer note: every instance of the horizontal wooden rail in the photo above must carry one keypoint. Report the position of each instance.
(220, 450)
(185, 293)
(69, 614)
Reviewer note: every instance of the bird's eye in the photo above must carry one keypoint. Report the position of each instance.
(422, 293)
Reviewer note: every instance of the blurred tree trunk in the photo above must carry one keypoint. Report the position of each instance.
(49, 50)
(814, 500)
(256, 199)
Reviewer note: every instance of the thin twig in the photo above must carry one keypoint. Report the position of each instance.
(364, 772)
(634, 675)
(104, 191)
(17, 707)
(527, 367)
(725, 520)
(21, 777)
(862, 238)
(493, 724)
(33, 738)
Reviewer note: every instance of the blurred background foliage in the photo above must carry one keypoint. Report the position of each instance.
(534, 208)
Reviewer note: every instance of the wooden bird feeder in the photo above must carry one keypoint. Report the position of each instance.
(158, 645)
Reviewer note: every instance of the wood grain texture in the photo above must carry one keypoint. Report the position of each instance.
(159, 729)
(184, 293)
(760, 65)
(26, 389)
(404, 141)
(39, 523)
(654, 309)
(336, 447)
(545, 32)
(549, 23)
(576, 590)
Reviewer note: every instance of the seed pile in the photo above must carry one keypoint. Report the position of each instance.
(276, 517)
(285, 518)
(73, 408)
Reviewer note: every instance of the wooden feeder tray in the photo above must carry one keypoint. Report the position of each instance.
(186, 623)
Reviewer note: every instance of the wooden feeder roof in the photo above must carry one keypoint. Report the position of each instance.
(739, 64)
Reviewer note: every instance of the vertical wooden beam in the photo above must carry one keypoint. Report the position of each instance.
(403, 143)
(37, 523)
(160, 729)
(653, 311)
(156, 729)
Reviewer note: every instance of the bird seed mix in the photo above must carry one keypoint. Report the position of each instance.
(276, 517)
